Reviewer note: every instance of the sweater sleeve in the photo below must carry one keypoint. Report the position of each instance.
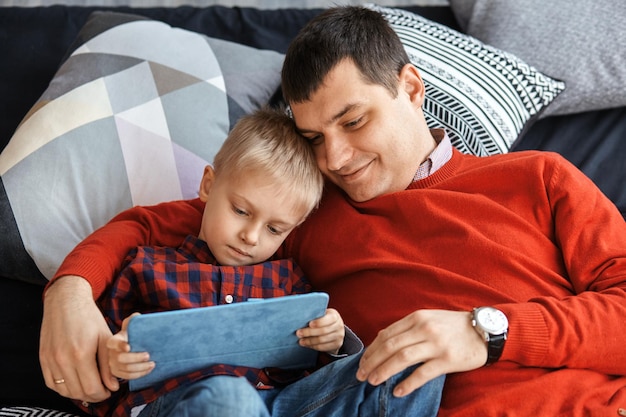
(586, 329)
(99, 257)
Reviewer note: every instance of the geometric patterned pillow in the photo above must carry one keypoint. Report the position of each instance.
(484, 97)
(131, 118)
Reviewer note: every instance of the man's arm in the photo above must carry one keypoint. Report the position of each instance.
(99, 257)
(73, 330)
(546, 331)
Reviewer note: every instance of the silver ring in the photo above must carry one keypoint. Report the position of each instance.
(59, 381)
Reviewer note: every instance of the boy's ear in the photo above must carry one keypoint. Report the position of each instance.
(411, 82)
(206, 182)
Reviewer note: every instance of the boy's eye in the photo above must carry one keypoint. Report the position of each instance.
(273, 230)
(239, 211)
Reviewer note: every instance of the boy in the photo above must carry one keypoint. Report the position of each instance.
(263, 184)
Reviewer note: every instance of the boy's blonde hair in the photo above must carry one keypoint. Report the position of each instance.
(267, 143)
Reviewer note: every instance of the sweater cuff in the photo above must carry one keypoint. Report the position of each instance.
(528, 338)
(351, 345)
(91, 272)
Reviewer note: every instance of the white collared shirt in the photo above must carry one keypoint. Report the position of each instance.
(438, 157)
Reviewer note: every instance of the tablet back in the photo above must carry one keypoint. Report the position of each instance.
(255, 333)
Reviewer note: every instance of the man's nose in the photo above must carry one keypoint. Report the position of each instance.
(338, 151)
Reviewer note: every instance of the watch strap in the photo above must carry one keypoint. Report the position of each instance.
(495, 346)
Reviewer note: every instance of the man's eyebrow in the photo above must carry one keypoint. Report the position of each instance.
(348, 107)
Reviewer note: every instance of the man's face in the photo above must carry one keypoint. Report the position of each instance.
(365, 141)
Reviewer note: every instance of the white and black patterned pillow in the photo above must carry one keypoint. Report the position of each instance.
(31, 412)
(483, 96)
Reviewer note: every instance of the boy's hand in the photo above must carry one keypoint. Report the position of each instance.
(324, 334)
(124, 363)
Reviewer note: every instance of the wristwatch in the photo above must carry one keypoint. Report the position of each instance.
(493, 327)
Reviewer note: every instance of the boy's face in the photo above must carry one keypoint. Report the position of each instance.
(246, 218)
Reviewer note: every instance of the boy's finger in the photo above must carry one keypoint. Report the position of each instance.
(331, 316)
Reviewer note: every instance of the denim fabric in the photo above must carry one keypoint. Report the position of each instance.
(219, 396)
(332, 391)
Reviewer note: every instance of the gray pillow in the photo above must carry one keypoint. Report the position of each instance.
(580, 42)
(132, 117)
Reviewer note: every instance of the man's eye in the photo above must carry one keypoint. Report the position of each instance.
(314, 140)
(354, 123)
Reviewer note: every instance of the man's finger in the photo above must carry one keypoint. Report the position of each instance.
(89, 382)
(390, 342)
(377, 371)
(423, 373)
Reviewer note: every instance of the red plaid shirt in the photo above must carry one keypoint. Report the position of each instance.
(160, 279)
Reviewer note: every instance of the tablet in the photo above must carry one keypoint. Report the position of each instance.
(257, 333)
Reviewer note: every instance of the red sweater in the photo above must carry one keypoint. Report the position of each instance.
(525, 232)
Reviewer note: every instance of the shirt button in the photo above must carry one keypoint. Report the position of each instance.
(228, 299)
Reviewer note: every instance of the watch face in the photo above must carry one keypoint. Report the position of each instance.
(492, 320)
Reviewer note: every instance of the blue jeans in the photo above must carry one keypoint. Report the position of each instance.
(332, 391)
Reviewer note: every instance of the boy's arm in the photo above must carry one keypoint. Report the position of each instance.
(73, 331)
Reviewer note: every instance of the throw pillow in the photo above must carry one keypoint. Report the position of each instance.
(131, 118)
(22, 411)
(581, 43)
(483, 96)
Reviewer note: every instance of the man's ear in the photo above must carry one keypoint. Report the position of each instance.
(411, 82)
(206, 182)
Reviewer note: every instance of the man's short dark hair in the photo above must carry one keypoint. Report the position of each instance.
(346, 32)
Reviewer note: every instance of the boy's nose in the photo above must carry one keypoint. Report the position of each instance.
(250, 236)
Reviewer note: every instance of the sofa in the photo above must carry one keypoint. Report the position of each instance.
(105, 108)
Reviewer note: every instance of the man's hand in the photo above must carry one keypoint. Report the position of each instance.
(325, 334)
(443, 341)
(72, 350)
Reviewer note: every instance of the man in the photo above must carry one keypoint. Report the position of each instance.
(514, 261)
